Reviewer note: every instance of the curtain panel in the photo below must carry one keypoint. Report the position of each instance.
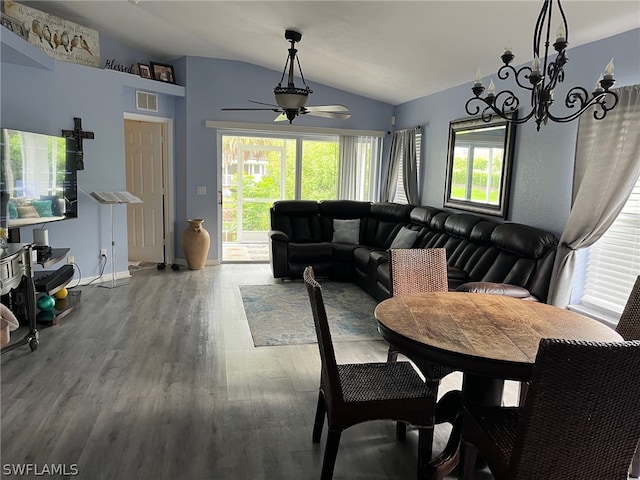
(607, 167)
(403, 149)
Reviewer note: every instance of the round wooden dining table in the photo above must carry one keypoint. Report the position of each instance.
(489, 338)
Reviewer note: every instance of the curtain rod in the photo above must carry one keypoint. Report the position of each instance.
(291, 128)
(419, 127)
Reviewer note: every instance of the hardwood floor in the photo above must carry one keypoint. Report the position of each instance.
(159, 379)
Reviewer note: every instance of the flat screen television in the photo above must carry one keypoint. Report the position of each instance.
(38, 179)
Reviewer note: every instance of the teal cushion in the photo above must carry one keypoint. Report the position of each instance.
(43, 207)
(13, 211)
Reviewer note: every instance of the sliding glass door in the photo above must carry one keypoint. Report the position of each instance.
(257, 171)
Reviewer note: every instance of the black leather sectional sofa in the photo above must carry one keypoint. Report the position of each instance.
(349, 240)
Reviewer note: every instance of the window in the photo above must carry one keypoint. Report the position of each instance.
(259, 169)
(401, 196)
(613, 263)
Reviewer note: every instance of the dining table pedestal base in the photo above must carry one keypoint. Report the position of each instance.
(476, 390)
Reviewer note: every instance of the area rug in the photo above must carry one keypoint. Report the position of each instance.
(280, 314)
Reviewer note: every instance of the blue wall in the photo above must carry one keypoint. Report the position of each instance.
(213, 84)
(543, 161)
(46, 99)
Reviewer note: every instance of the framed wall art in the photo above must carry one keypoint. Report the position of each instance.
(14, 25)
(163, 72)
(59, 38)
(144, 70)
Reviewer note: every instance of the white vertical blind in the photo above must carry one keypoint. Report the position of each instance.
(360, 158)
(614, 262)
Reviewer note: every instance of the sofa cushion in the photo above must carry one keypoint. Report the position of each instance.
(523, 240)
(43, 207)
(28, 212)
(495, 289)
(309, 252)
(405, 238)
(13, 211)
(298, 219)
(342, 261)
(456, 277)
(340, 209)
(346, 231)
(57, 204)
(383, 222)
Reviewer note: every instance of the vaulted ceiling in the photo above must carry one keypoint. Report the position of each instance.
(392, 51)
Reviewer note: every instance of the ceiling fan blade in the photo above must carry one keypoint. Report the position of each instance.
(337, 115)
(252, 109)
(268, 104)
(280, 118)
(327, 108)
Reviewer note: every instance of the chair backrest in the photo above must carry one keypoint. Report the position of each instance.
(417, 270)
(581, 417)
(629, 324)
(330, 378)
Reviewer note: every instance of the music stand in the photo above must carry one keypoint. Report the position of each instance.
(111, 199)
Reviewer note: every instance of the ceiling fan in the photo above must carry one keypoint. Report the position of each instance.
(291, 100)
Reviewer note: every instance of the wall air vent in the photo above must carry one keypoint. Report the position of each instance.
(146, 101)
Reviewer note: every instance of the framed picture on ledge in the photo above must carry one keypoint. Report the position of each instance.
(163, 72)
(144, 70)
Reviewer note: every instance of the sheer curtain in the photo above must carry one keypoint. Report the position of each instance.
(607, 167)
(403, 149)
(359, 166)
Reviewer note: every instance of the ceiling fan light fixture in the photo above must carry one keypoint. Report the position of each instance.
(291, 101)
(291, 97)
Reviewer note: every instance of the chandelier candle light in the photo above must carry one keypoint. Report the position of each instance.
(541, 79)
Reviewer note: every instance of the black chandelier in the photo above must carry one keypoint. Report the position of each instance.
(541, 86)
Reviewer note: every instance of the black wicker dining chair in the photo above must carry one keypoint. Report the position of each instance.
(629, 328)
(580, 418)
(355, 393)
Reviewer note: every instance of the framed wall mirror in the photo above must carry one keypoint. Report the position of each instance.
(479, 165)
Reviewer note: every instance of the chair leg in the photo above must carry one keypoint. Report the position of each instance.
(634, 471)
(321, 410)
(330, 454)
(469, 458)
(524, 387)
(425, 449)
(392, 355)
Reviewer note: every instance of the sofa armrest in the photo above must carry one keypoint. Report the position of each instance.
(278, 235)
(493, 288)
(279, 253)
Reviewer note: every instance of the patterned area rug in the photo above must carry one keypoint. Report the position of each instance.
(280, 314)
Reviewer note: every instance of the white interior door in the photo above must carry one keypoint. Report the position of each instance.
(144, 150)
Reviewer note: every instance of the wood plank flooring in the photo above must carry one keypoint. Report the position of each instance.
(159, 379)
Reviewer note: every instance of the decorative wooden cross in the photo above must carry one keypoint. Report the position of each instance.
(78, 134)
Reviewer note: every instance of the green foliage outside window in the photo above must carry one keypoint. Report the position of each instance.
(319, 180)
